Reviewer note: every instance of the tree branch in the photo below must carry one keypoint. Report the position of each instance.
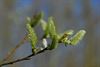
(10, 54)
(22, 59)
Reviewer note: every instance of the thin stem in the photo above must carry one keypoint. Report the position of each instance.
(22, 59)
(10, 54)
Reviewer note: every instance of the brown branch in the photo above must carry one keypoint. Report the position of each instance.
(10, 54)
(22, 59)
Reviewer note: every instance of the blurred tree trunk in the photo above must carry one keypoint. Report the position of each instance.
(6, 25)
(90, 26)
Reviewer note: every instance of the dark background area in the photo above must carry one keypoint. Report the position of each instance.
(69, 14)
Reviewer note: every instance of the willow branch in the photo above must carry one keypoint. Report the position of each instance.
(10, 54)
(23, 59)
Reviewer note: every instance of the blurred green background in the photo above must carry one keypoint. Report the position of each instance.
(69, 14)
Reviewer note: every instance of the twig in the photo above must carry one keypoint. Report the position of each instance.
(10, 54)
(22, 59)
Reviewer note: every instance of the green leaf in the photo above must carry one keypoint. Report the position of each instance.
(77, 37)
(31, 35)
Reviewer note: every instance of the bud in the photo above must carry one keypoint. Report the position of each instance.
(31, 35)
(77, 37)
(44, 42)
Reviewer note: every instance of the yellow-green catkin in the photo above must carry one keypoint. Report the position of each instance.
(50, 29)
(31, 35)
(65, 36)
(77, 37)
(36, 19)
(51, 25)
(54, 43)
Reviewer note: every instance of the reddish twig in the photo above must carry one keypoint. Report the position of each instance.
(10, 54)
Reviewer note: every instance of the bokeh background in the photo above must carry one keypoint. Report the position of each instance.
(69, 14)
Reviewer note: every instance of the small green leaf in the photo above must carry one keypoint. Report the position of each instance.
(77, 37)
(31, 35)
